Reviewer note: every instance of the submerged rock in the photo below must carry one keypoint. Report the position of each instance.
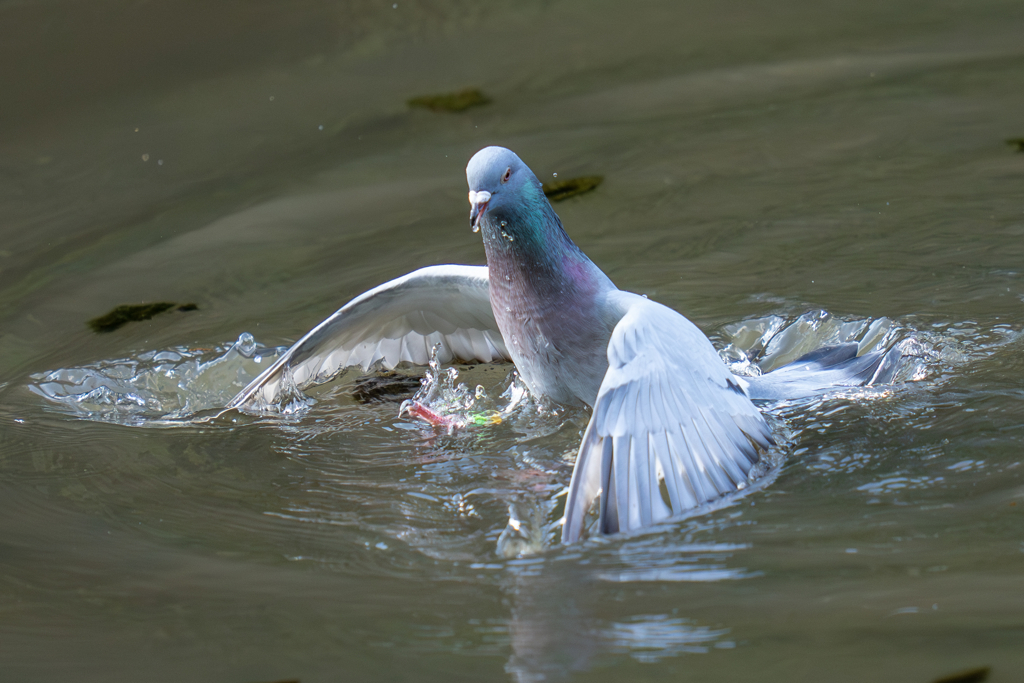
(390, 387)
(129, 313)
(454, 101)
(558, 190)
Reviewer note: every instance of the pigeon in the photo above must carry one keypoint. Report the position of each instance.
(671, 428)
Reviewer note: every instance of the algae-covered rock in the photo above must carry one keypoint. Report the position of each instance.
(1016, 142)
(558, 190)
(454, 101)
(130, 313)
(970, 676)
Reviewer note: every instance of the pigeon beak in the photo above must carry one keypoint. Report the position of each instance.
(478, 205)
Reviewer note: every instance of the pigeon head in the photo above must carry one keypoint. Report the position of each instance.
(502, 188)
(523, 237)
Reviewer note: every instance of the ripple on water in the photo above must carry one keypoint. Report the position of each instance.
(649, 638)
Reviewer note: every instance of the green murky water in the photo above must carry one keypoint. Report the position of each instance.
(260, 160)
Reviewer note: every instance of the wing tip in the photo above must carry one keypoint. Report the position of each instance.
(681, 479)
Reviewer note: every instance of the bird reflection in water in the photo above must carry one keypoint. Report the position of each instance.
(563, 616)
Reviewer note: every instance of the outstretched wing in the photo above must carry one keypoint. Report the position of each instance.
(399, 321)
(671, 428)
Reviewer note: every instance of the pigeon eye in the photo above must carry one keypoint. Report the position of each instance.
(508, 174)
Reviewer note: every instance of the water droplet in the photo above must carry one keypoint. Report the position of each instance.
(246, 345)
(476, 227)
(555, 175)
(508, 309)
(504, 224)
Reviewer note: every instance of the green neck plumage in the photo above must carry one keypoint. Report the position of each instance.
(527, 246)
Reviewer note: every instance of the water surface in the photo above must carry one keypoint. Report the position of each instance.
(760, 159)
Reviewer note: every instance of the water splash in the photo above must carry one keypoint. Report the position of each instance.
(156, 388)
(760, 345)
(177, 385)
(445, 402)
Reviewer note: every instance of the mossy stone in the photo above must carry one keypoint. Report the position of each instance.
(970, 676)
(129, 313)
(558, 190)
(453, 102)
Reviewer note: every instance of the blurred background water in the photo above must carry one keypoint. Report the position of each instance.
(259, 160)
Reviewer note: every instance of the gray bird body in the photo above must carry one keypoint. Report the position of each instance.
(556, 323)
(671, 429)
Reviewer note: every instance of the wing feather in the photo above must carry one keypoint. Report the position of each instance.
(667, 414)
(398, 322)
(660, 509)
(723, 467)
(694, 459)
(666, 467)
(609, 504)
(685, 469)
(644, 473)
